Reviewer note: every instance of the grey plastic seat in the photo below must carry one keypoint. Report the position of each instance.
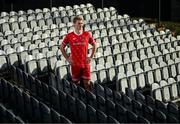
(31, 67)
(5, 25)
(4, 64)
(141, 79)
(51, 58)
(156, 91)
(157, 72)
(111, 74)
(62, 72)
(12, 56)
(102, 76)
(173, 88)
(165, 90)
(14, 23)
(132, 80)
(122, 82)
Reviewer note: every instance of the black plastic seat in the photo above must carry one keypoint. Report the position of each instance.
(143, 120)
(54, 98)
(112, 120)
(101, 117)
(55, 116)
(36, 116)
(66, 86)
(131, 117)
(27, 106)
(159, 116)
(108, 93)
(72, 110)
(10, 116)
(137, 107)
(117, 97)
(82, 94)
(39, 88)
(121, 113)
(81, 111)
(91, 114)
(74, 90)
(3, 114)
(101, 105)
(99, 90)
(150, 101)
(148, 113)
(63, 103)
(91, 99)
(19, 99)
(139, 97)
(127, 102)
(45, 113)
(110, 108)
(45, 89)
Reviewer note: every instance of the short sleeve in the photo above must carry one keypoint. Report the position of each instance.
(91, 39)
(65, 41)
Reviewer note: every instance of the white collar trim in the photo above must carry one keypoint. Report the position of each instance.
(77, 33)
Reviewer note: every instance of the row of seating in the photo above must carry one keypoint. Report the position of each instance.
(166, 90)
(33, 50)
(64, 86)
(48, 19)
(125, 69)
(53, 31)
(127, 38)
(7, 115)
(44, 10)
(65, 104)
(100, 92)
(167, 112)
(151, 75)
(27, 106)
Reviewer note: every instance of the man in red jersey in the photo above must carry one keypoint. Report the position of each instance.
(79, 60)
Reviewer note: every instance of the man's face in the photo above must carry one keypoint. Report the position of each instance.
(78, 25)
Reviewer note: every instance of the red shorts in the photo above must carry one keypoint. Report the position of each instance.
(78, 72)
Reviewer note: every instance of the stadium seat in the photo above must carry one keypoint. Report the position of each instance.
(55, 116)
(81, 111)
(27, 106)
(35, 110)
(46, 113)
(91, 114)
(54, 98)
(121, 113)
(91, 99)
(159, 117)
(72, 108)
(101, 117)
(110, 108)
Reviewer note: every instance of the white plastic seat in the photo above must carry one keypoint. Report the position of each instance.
(165, 90)
(122, 82)
(156, 91)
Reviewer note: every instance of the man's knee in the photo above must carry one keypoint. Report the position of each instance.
(77, 82)
(87, 84)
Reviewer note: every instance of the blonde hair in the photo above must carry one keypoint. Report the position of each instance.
(76, 18)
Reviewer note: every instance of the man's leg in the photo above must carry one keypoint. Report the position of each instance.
(86, 75)
(75, 74)
(87, 84)
(76, 82)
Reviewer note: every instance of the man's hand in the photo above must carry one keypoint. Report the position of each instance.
(88, 60)
(69, 60)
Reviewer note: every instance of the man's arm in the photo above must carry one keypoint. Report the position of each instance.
(62, 48)
(94, 47)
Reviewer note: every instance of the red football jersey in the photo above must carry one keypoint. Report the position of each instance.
(79, 46)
